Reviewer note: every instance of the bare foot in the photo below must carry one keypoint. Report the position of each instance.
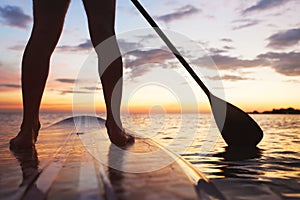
(25, 138)
(118, 136)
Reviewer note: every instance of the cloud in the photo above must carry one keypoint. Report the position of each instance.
(245, 23)
(287, 64)
(15, 86)
(9, 87)
(229, 78)
(137, 60)
(140, 57)
(84, 46)
(65, 80)
(284, 38)
(293, 81)
(147, 37)
(87, 45)
(63, 92)
(284, 63)
(215, 51)
(82, 90)
(228, 47)
(138, 71)
(17, 47)
(14, 16)
(264, 5)
(228, 62)
(92, 88)
(87, 88)
(179, 13)
(126, 46)
(226, 40)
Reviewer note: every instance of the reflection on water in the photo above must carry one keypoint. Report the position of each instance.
(232, 154)
(28, 161)
(276, 161)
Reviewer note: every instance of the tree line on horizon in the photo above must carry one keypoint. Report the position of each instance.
(279, 111)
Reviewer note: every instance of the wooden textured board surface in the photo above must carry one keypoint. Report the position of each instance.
(74, 159)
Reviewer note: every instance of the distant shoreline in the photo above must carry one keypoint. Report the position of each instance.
(279, 111)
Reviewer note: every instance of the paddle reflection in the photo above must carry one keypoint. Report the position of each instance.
(240, 154)
(235, 161)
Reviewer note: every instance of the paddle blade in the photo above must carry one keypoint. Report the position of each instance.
(238, 129)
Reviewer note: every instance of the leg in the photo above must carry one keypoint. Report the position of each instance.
(48, 22)
(101, 18)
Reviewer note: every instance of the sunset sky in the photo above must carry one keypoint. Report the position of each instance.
(254, 45)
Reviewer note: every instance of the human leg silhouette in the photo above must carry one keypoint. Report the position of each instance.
(101, 20)
(48, 16)
(48, 23)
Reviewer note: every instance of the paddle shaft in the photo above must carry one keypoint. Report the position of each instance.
(170, 46)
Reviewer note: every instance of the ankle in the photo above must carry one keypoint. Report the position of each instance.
(111, 122)
(30, 127)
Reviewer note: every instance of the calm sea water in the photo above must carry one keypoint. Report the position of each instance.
(275, 164)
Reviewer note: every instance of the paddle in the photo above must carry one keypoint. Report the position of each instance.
(237, 128)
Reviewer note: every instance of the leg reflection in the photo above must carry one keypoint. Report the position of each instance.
(28, 160)
(116, 176)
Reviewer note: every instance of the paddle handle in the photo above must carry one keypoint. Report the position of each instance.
(170, 46)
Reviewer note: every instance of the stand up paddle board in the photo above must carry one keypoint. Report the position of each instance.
(74, 159)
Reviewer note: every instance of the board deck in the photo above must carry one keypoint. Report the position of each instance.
(74, 159)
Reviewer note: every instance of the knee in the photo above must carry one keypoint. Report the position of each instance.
(47, 31)
(102, 37)
(44, 39)
(100, 30)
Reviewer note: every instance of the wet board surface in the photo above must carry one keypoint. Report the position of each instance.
(234, 188)
(74, 159)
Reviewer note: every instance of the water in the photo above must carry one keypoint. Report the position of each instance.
(275, 164)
